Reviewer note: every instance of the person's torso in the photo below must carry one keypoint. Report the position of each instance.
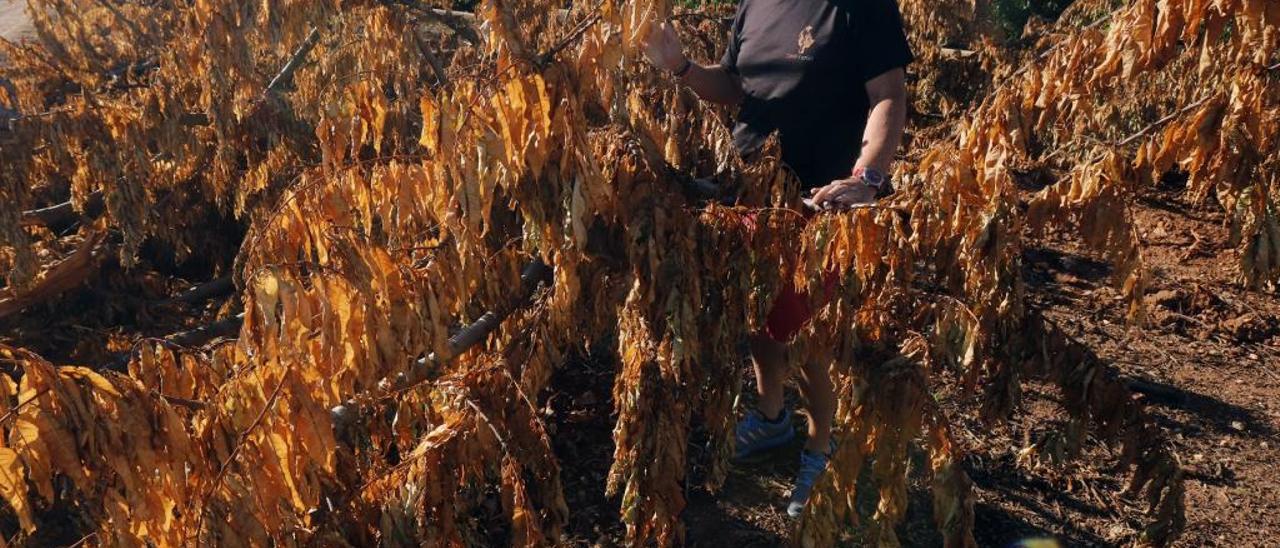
(795, 62)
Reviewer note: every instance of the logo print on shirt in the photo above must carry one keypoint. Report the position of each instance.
(804, 43)
(806, 40)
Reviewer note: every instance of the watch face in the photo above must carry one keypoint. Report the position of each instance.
(869, 176)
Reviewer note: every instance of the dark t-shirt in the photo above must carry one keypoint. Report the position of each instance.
(804, 65)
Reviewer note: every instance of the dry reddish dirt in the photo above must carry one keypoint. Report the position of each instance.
(1206, 365)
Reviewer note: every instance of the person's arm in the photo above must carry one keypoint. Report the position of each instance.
(886, 122)
(879, 54)
(712, 82)
(880, 140)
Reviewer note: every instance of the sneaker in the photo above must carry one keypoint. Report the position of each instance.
(811, 467)
(756, 434)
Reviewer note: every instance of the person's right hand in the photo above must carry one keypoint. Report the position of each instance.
(663, 47)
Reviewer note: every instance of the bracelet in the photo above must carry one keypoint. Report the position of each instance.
(683, 69)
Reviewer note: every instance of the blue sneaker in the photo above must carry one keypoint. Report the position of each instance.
(755, 434)
(811, 467)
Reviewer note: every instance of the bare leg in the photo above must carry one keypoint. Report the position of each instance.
(769, 358)
(820, 397)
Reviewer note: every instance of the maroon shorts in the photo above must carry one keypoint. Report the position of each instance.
(791, 310)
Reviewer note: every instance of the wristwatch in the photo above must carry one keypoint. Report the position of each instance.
(869, 176)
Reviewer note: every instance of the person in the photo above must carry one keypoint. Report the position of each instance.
(829, 77)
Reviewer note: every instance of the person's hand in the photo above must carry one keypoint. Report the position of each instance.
(842, 194)
(663, 48)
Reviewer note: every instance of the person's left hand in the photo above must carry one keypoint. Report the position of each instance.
(663, 47)
(842, 194)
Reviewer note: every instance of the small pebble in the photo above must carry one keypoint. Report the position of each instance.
(1237, 426)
